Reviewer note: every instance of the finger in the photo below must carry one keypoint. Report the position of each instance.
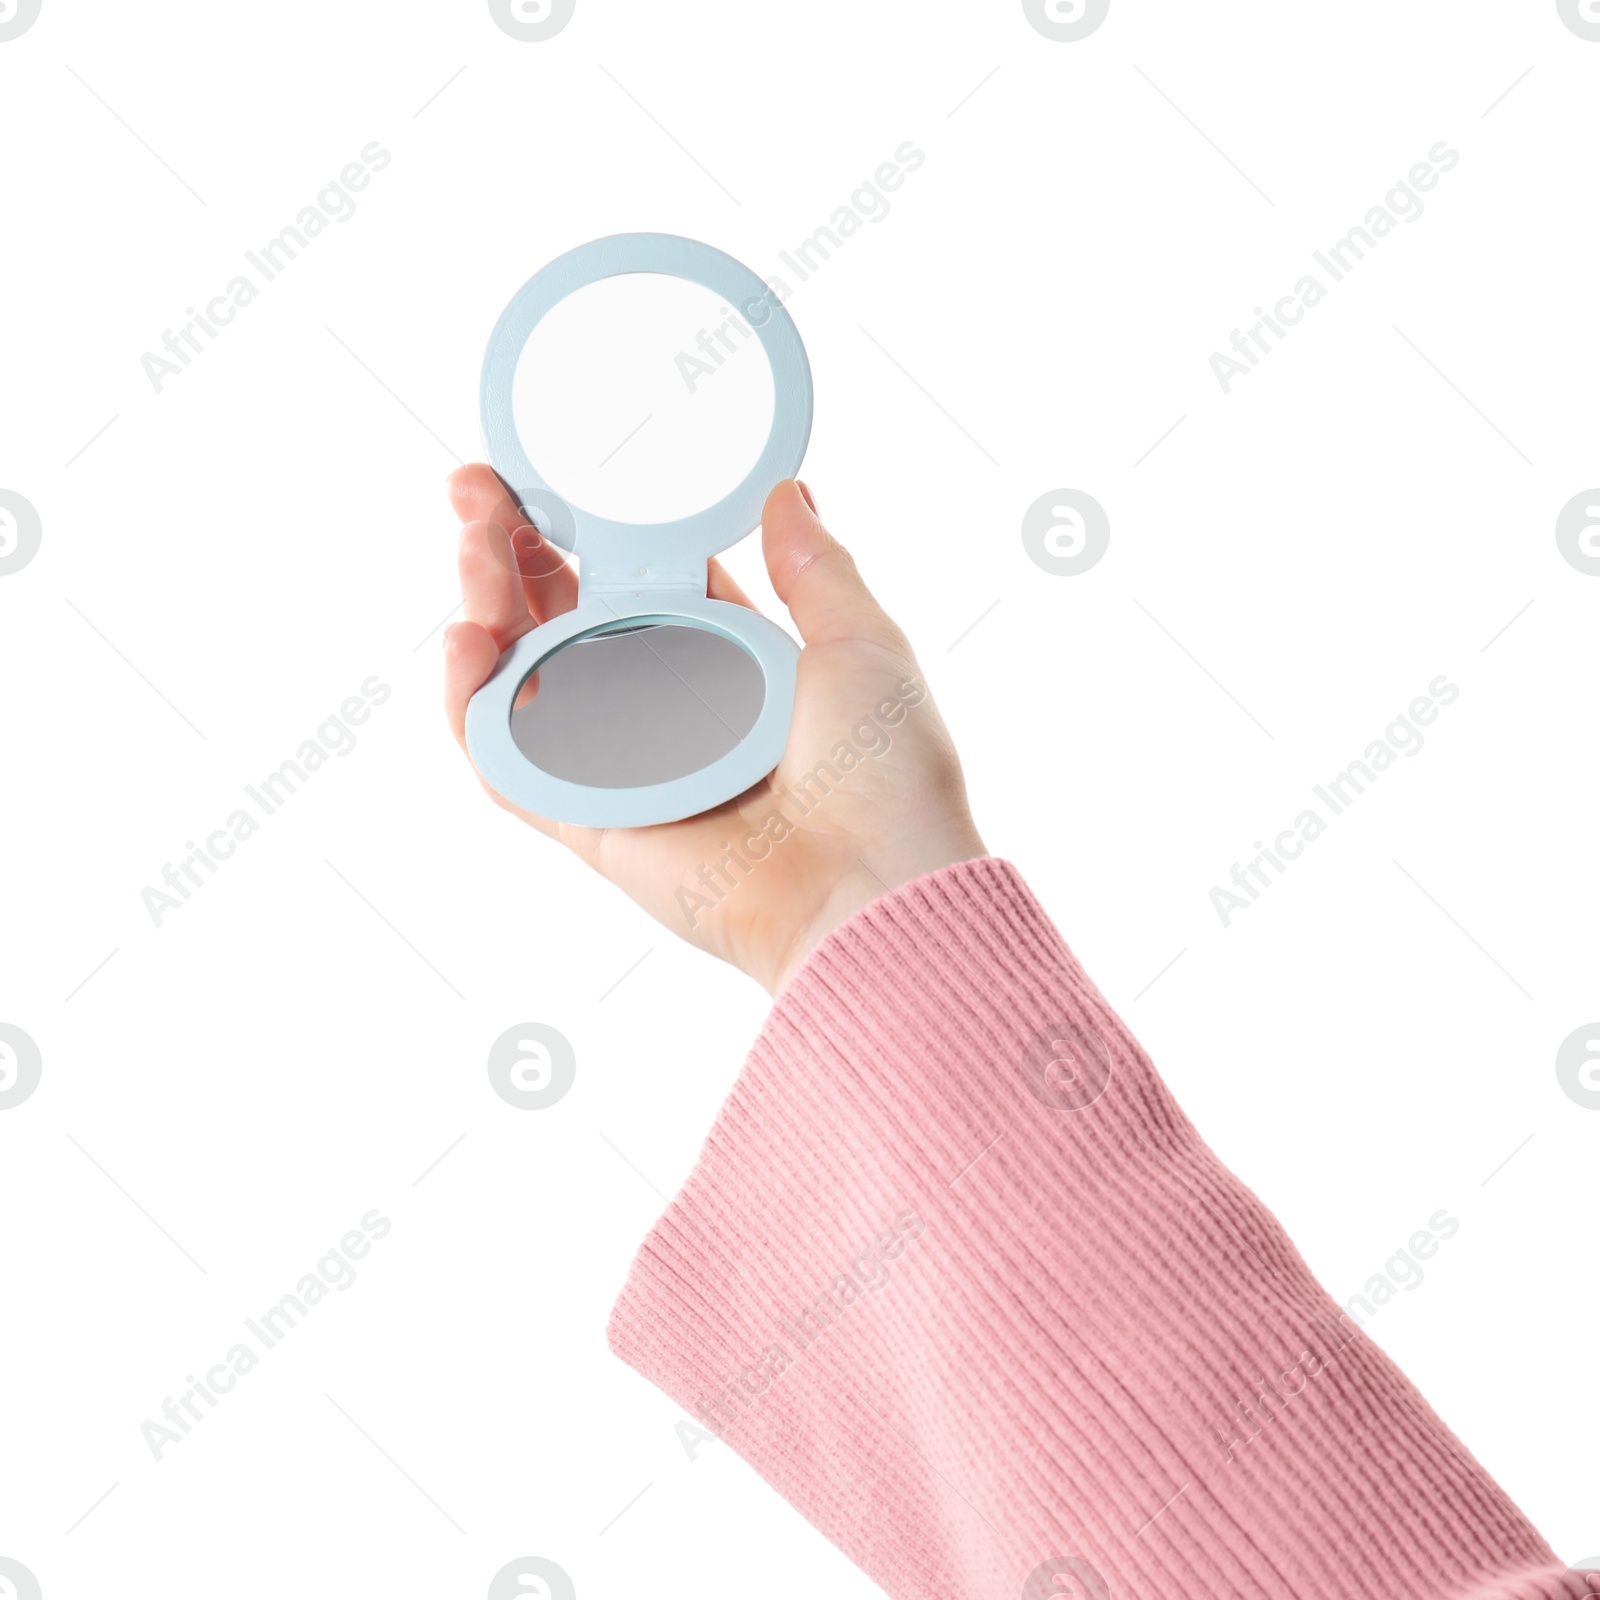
(549, 581)
(470, 654)
(722, 586)
(814, 574)
(478, 495)
(491, 592)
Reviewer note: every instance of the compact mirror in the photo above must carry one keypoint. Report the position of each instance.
(665, 391)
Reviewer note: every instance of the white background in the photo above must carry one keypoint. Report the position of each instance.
(229, 559)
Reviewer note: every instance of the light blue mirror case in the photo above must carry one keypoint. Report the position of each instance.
(635, 574)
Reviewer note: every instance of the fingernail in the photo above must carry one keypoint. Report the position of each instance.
(807, 493)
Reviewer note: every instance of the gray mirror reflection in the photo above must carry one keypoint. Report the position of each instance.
(638, 704)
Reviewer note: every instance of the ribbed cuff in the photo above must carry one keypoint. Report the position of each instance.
(957, 1276)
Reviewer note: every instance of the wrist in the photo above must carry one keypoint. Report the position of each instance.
(874, 872)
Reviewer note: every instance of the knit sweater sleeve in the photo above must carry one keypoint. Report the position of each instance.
(957, 1276)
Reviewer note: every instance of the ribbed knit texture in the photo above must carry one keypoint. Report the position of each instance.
(957, 1276)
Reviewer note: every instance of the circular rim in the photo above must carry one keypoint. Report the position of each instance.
(514, 776)
(701, 535)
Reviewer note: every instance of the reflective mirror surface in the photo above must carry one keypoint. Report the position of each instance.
(643, 398)
(638, 705)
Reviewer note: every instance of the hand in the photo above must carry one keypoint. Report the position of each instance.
(851, 836)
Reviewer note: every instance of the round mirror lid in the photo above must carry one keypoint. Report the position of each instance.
(689, 541)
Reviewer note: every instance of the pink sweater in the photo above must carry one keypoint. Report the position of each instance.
(956, 1275)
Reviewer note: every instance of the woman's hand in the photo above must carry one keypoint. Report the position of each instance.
(819, 841)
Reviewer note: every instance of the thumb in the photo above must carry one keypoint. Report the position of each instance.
(814, 575)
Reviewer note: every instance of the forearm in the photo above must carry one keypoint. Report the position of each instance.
(959, 1278)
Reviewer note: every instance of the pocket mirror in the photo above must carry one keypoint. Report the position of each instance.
(666, 392)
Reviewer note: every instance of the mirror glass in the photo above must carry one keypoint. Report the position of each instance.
(637, 705)
(643, 398)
